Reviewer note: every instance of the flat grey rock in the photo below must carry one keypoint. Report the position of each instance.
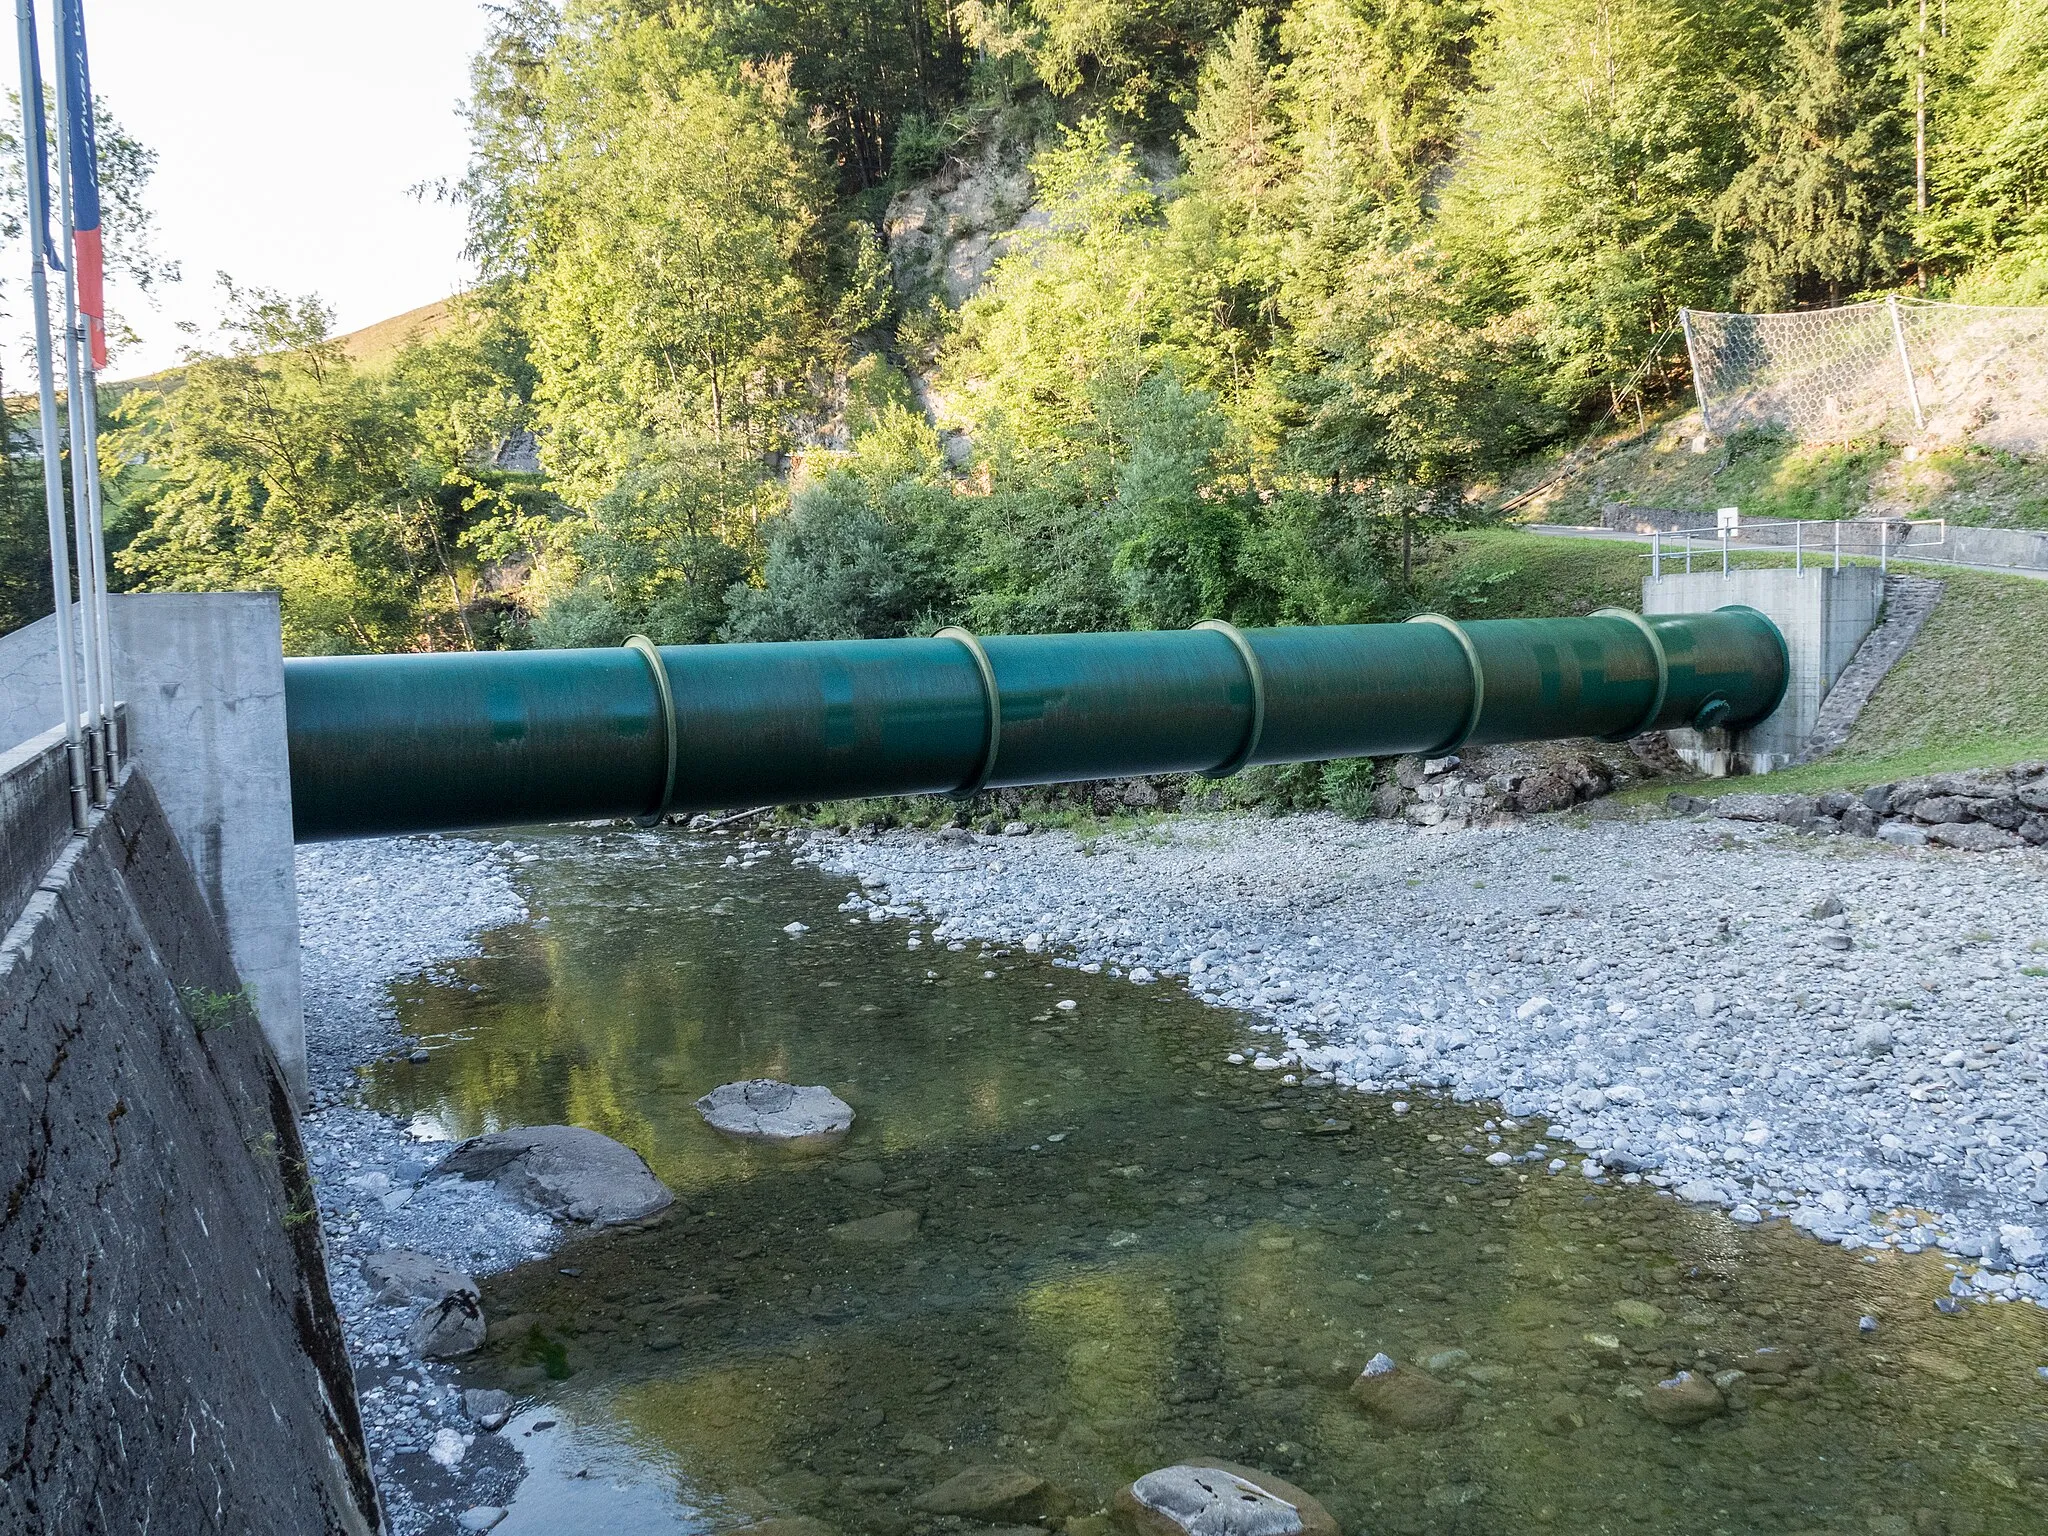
(1205, 1502)
(762, 1109)
(564, 1171)
(399, 1275)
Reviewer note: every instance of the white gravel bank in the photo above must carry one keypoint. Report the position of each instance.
(1839, 1032)
(371, 913)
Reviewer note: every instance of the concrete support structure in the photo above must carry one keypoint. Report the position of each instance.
(1822, 613)
(202, 675)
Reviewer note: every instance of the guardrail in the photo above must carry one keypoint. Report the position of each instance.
(1866, 532)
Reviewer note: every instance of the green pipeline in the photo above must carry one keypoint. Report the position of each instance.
(387, 744)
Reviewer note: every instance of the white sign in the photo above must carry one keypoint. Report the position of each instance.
(1728, 519)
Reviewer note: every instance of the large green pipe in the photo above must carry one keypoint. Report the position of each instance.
(385, 744)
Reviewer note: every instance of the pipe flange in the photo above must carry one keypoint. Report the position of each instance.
(1650, 634)
(993, 741)
(666, 694)
(1257, 673)
(1478, 681)
(1784, 657)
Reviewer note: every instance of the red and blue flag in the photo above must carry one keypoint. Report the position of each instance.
(89, 264)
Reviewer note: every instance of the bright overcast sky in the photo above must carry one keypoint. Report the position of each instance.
(287, 133)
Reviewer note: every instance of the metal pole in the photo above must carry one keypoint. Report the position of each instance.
(1891, 305)
(1884, 544)
(91, 625)
(1724, 552)
(1688, 551)
(1692, 357)
(1838, 543)
(1799, 546)
(1656, 555)
(53, 471)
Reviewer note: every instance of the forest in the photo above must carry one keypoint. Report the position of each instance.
(828, 318)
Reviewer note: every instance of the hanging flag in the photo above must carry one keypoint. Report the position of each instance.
(36, 126)
(85, 179)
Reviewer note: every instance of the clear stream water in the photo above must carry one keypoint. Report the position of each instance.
(1115, 1251)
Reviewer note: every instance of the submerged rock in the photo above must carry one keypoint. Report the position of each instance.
(1218, 1498)
(1683, 1400)
(885, 1230)
(1406, 1398)
(565, 1171)
(996, 1494)
(762, 1109)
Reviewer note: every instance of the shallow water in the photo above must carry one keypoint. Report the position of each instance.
(1126, 1252)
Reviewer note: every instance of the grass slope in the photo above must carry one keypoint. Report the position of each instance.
(1768, 475)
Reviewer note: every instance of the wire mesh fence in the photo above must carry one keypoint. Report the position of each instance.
(1908, 369)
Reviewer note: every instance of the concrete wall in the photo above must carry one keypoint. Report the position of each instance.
(2014, 548)
(35, 817)
(1823, 614)
(171, 1360)
(202, 675)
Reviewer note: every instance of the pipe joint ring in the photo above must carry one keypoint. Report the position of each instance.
(1649, 633)
(1478, 707)
(666, 694)
(1257, 673)
(993, 701)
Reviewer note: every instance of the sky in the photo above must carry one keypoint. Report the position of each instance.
(287, 133)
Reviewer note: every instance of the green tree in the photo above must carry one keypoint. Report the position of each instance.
(674, 254)
(1821, 204)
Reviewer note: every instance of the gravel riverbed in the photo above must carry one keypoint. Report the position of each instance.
(1848, 1035)
(371, 913)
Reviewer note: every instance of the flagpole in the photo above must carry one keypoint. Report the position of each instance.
(53, 474)
(93, 342)
(84, 461)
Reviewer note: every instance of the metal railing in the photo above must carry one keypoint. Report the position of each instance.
(1879, 536)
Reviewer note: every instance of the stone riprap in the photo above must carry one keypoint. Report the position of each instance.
(1979, 812)
(762, 1109)
(1846, 1033)
(374, 913)
(563, 1171)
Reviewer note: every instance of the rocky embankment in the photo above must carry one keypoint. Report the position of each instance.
(1849, 1034)
(1981, 812)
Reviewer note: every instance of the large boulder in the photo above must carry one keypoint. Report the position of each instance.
(452, 1326)
(762, 1109)
(1218, 1498)
(564, 1171)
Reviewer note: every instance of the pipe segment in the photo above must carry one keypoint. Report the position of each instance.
(391, 744)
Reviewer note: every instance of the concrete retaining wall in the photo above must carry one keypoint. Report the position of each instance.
(1823, 615)
(2016, 548)
(35, 817)
(171, 1359)
(202, 675)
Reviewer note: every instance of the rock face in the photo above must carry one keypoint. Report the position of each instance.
(1218, 1498)
(1406, 1398)
(399, 1275)
(995, 1495)
(564, 1171)
(452, 1326)
(762, 1109)
(1683, 1400)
